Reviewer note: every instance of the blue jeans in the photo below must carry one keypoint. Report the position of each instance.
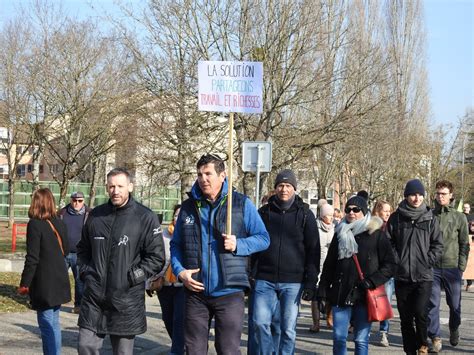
(269, 299)
(48, 322)
(389, 289)
(451, 280)
(71, 262)
(341, 319)
(252, 348)
(172, 310)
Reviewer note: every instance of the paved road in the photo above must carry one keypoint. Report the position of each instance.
(19, 332)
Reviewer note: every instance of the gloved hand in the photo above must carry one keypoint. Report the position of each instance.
(365, 284)
(308, 294)
(23, 290)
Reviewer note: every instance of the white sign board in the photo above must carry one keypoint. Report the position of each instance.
(257, 154)
(230, 86)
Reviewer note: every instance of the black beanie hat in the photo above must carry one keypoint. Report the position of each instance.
(287, 176)
(414, 186)
(360, 202)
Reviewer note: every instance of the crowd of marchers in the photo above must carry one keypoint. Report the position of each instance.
(278, 255)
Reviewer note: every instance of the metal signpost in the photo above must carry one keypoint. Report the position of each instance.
(257, 157)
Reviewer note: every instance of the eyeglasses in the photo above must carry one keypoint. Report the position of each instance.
(353, 209)
(76, 200)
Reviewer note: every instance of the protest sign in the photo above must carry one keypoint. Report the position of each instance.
(226, 86)
(230, 86)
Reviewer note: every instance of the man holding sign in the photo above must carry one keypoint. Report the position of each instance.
(212, 264)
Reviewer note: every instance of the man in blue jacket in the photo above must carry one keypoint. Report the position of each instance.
(211, 264)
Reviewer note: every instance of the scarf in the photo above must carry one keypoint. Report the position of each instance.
(285, 205)
(347, 245)
(73, 212)
(411, 212)
(325, 227)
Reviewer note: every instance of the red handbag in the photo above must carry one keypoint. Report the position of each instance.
(378, 304)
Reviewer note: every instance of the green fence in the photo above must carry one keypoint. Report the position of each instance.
(161, 200)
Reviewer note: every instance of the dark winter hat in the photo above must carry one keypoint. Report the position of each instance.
(77, 194)
(359, 202)
(414, 186)
(287, 176)
(364, 194)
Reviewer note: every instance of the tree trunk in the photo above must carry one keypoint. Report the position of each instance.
(11, 202)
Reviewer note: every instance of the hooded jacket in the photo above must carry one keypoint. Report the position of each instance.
(418, 245)
(197, 240)
(119, 249)
(294, 252)
(455, 238)
(340, 280)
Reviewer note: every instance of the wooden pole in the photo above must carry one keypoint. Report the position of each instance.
(229, 174)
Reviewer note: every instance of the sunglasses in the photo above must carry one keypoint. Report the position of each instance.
(353, 209)
(76, 200)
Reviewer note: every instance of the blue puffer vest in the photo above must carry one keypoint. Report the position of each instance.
(234, 269)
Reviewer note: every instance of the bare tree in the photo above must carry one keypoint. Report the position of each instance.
(15, 102)
(87, 74)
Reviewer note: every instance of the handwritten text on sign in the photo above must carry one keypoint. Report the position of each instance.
(230, 86)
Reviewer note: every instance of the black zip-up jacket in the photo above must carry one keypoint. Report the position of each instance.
(294, 252)
(340, 279)
(120, 248)
(418, 245)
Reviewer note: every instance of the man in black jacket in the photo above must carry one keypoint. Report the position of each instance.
(121, 246)
(74, 216)
(418, 243)
(288, 268)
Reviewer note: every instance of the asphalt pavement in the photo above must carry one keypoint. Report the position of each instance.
(19, 332)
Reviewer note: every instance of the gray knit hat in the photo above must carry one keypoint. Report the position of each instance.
(287, 176)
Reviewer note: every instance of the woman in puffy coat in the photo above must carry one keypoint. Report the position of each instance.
(45, 278)
(340, 284)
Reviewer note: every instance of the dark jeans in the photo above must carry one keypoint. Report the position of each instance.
(412, 303)
(90, 343)
(71, 262)
(172, 309)
(228, 312)
(451, 280)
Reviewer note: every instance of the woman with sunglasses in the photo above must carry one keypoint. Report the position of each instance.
(358, 233)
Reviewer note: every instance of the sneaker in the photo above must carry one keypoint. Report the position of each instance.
(436, 345)
(76, 309)
(454, 337)
(423, 350)
(384, 339)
